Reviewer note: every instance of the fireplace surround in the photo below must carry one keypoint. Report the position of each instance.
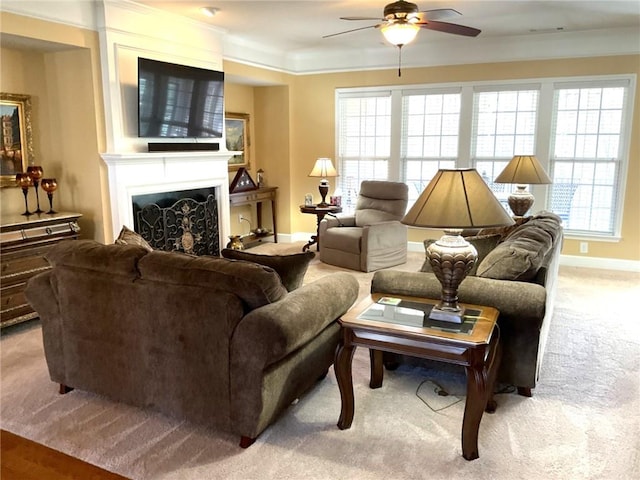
(132, 174)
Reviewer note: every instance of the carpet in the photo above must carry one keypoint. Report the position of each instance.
(583, 421)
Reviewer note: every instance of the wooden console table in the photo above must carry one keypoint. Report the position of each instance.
(24, 240)
(257, 197)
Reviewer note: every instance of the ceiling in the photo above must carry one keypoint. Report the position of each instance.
(293, 29)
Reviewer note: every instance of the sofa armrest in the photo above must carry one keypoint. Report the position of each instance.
(337, 221)
(271, 332)
(383, 235)
(42, 295)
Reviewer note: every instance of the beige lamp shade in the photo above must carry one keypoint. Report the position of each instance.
(523, 169)
(457, 199)
(323, 168)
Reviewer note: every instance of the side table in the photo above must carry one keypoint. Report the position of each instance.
(319, 212)
(400, 324)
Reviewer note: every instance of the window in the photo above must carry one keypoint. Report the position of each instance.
(578, 128)
(363, 142)
(587, 153)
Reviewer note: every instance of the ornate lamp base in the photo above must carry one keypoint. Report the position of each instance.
(451, 259)
(520, 201)
(324, 189)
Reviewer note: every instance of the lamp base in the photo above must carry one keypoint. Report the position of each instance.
(520, 201)
(444, 314)
(451, 259)
(323, 188)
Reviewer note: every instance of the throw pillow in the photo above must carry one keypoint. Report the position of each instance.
(519, 257)
(129, 237)
(291, 268)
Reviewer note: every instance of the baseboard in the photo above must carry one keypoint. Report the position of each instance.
(599, 262)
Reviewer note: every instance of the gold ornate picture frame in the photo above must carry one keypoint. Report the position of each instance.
(236, 127)
(16, 141)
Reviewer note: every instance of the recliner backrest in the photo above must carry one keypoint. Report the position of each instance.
(381, 201)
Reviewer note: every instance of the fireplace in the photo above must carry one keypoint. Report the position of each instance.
(185, 221)
(137, 174)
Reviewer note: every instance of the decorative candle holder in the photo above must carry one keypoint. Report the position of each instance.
(49, 185)
(35, 172)
(24, 181)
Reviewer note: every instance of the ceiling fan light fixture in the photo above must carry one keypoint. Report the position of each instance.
(400, 33)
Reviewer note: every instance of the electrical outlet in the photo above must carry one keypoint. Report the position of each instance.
(240, 218)
(584, 247)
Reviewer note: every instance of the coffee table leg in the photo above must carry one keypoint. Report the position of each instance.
(342, 367)
(377, 372)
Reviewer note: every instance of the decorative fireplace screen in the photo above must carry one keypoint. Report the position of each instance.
(185, 221)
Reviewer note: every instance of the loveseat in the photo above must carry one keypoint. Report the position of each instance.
(516, 272)
(215, 341)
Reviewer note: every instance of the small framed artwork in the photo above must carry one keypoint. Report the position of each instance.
(16, 143)
(236, 127)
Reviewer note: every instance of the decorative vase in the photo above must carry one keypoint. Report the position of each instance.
(235, 242)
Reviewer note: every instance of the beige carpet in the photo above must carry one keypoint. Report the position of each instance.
(583, 421)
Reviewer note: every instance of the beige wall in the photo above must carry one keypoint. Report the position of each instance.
(65, 89)
(312, 100)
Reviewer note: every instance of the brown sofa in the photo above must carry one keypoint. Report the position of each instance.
(215, 341)
(516, 273)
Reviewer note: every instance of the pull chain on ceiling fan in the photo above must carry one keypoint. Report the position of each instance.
(402, 21)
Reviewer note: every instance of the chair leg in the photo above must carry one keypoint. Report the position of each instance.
(64, 389)
(525, 391)
(246, 442)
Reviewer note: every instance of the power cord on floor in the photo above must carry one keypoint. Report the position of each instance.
(438, 390)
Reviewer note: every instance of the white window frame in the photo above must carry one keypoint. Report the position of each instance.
(542, 138)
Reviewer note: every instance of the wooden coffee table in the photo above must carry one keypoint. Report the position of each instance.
(399, 324)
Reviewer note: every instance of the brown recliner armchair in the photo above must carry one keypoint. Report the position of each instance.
(372, 237)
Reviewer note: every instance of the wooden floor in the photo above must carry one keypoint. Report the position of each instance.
(22, 459)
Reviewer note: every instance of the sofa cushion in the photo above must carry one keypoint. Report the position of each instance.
(519, 256)
(129, 237)
(291, 268)
(346, 239)
(254, 284)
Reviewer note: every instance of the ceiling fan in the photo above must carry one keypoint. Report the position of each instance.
(402, 21)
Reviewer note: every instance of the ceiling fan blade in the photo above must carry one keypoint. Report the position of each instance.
(451, 28)
(438, 14)
(362, 18)
(349, 31)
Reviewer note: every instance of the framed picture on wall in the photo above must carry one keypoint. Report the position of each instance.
(236, 126)
(16, 144)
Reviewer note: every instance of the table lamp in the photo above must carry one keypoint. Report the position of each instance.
(454, 200)
(522, 170)
(323, 169)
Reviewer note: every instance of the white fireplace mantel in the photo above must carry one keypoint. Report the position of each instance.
(143, 173)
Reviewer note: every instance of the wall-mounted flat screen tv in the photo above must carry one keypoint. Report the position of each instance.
(178, 101)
